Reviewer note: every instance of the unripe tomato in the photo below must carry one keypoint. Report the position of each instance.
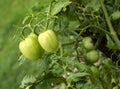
(92, 56)
(87, 43)
(48, 41)
(31, 48)
(95, 71)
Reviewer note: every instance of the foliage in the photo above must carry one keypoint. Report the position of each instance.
(72, 21)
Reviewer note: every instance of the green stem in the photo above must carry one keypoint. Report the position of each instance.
(70, 43)
(82, 30)
(49, 14)
(27, 27)
(112, 31)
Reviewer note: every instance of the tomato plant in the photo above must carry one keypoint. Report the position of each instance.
(30, 47)
(82, 47)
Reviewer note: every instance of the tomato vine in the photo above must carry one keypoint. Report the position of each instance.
(74, 35)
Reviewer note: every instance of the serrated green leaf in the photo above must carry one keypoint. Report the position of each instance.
(28, 82)
(81, 66)
(58, 6)
(76, 77)
(39, 5)
(94, 4)
(44, 65)
(73, 25)
(21, 59)
(115, 15)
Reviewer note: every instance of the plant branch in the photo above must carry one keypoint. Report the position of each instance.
(69, 43)
(94, 27)
(82, 30)
(112, 31)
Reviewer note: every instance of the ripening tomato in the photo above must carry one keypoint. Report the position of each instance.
(31, 48)
(87, 43)
(48, 41)
(92, 56)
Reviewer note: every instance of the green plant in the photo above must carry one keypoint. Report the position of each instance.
(81, 29)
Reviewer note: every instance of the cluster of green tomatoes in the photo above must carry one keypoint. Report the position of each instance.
(92, 55)
(33, 46)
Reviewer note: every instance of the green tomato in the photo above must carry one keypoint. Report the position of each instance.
(48, 41)
(92, 56)
(31, 48)
(116, 87)
(95, 71)
(87, 43)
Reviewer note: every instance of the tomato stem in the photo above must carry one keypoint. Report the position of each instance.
(48, 15)
(82, 30)
(112, 31)
(24, 28)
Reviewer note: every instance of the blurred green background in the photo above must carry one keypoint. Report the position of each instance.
(12, 13)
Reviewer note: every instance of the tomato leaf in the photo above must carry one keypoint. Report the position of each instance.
(21, 59)
(91, 4)
(73, 25)
(94, 5)
(77, 76)
(58, 6)
(110, 43)
(115, 15)
(28, 82)
(44, 65)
